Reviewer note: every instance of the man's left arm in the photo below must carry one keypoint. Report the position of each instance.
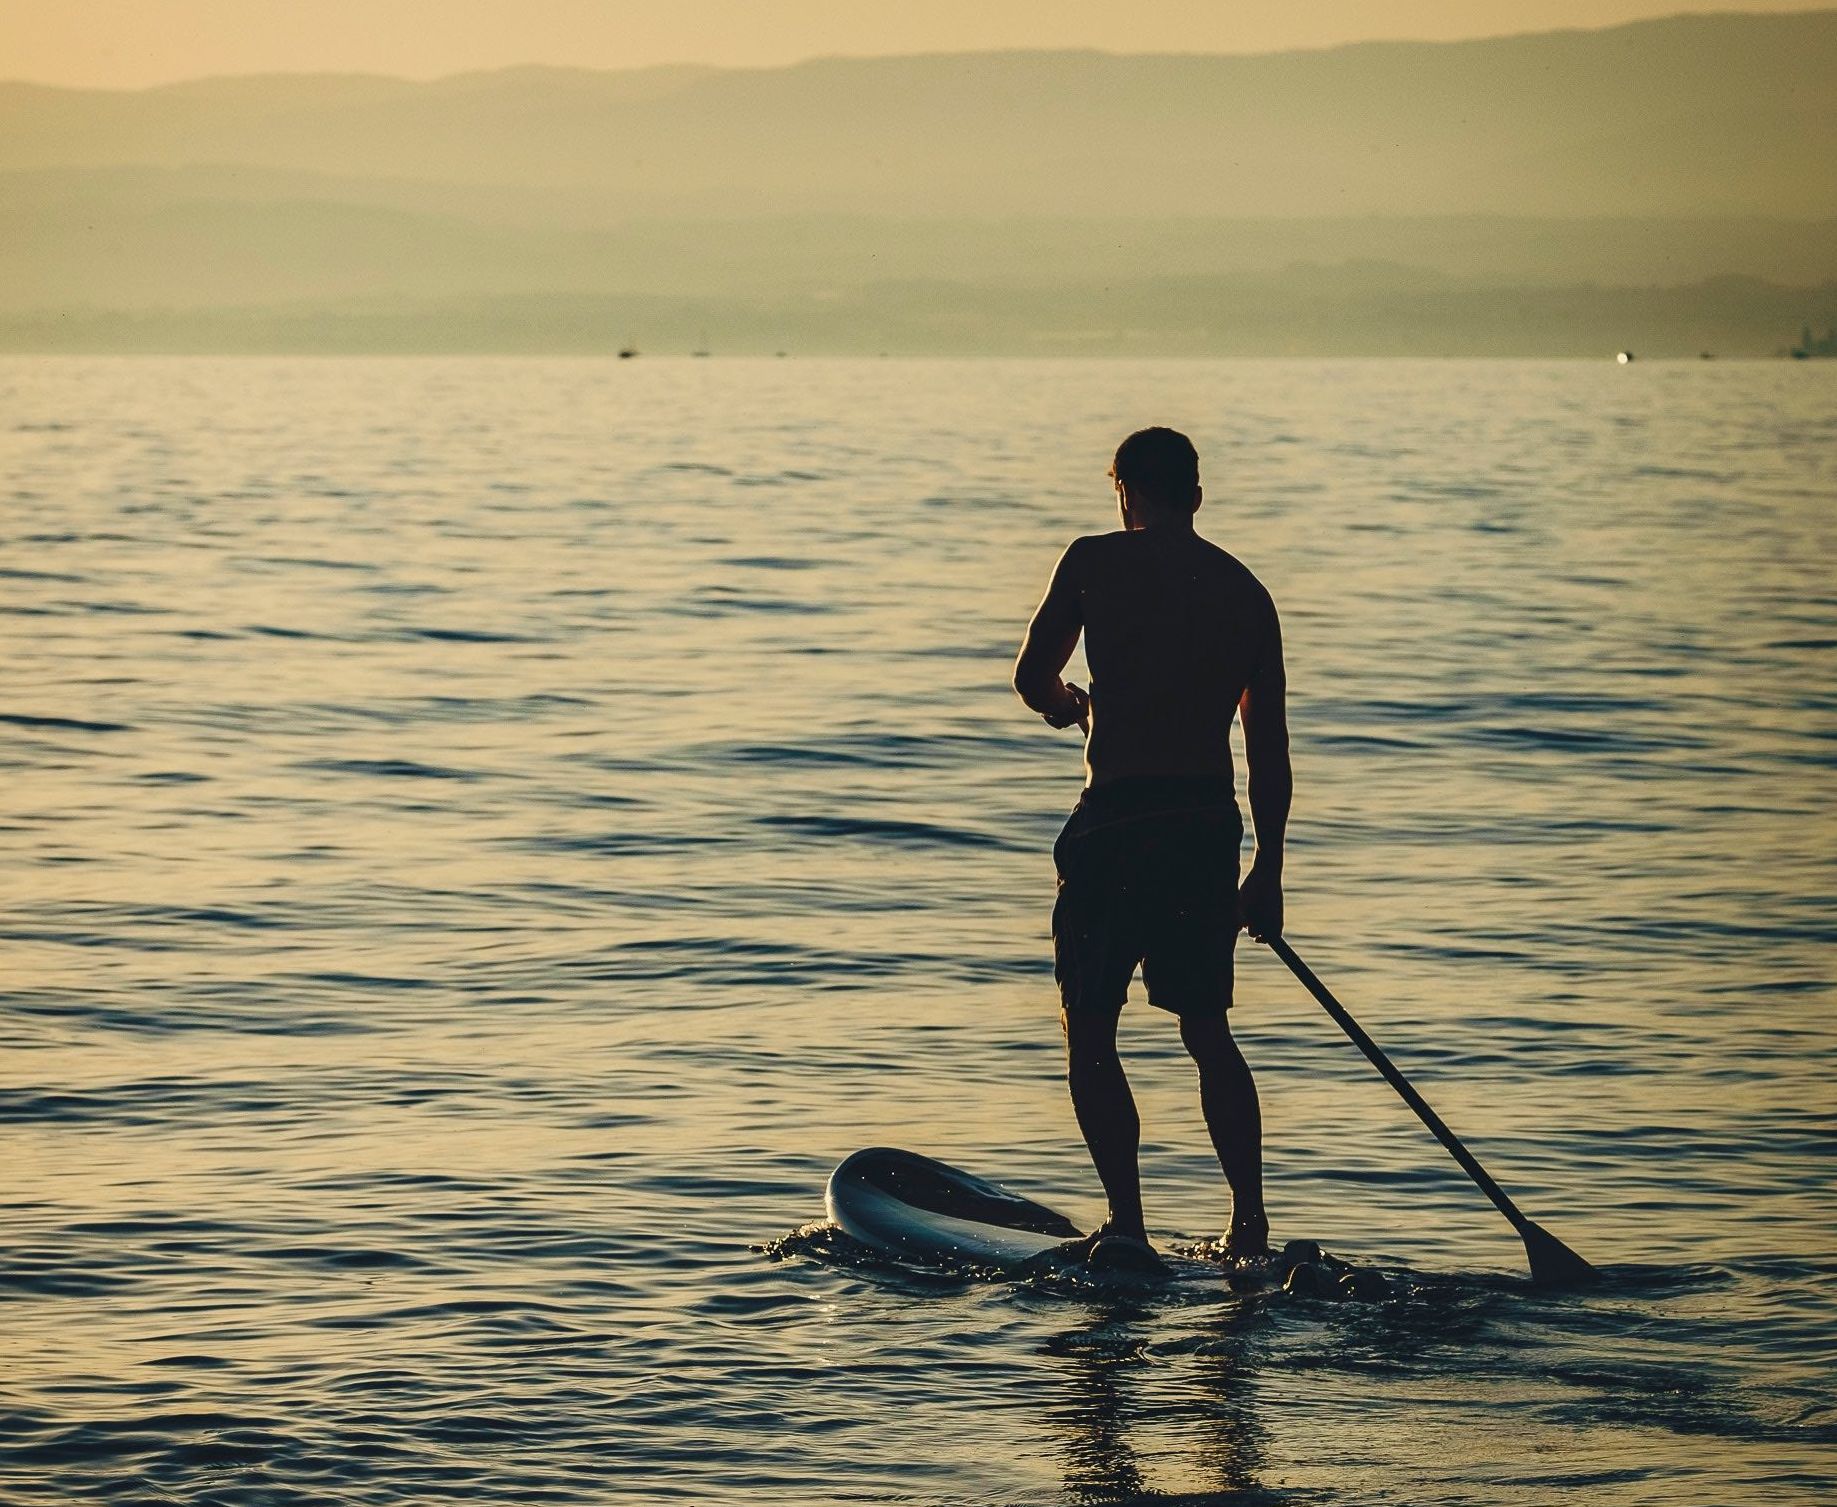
(1047, 648)
(1264, 711)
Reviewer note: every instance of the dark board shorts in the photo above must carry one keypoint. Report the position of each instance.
(1148, 874)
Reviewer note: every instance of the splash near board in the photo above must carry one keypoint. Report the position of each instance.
(917, 1209)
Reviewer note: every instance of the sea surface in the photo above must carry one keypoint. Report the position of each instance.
(484, 838)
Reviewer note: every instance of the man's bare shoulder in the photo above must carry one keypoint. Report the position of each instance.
(1122, 552)
(1226, 560)
(1242, 579)
(1083, 555)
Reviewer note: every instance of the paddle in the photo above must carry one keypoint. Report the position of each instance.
(1551, 1260)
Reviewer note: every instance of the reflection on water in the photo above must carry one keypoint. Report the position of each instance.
(489, 836)
(1215, 1435)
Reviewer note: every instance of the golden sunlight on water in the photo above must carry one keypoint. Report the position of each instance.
(489, 836)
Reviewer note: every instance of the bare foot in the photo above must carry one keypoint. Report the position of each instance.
(1080, 1249)
(1247, 1239)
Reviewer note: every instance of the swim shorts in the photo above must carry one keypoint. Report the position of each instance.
(1148, 873)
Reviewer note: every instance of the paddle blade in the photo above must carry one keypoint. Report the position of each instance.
(1553, 1264)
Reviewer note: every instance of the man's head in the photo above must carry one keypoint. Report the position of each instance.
(1157, 476)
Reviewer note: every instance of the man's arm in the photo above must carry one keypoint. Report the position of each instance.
(1264, 709)
(1051, 638)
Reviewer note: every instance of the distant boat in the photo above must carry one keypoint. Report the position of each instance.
(626, 352)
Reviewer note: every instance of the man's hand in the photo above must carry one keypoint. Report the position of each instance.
(1073, 710)
(1259, 903)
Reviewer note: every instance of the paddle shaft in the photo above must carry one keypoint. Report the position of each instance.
(1375, 1055)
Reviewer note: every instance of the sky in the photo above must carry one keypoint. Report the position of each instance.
(134, 43)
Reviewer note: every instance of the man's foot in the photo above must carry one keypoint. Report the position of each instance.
(1247, 1239)
(1124, 1254)
(1080, 1249)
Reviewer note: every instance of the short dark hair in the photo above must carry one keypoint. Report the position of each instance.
(1158, 465)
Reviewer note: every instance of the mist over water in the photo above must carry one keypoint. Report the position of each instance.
(488, 836)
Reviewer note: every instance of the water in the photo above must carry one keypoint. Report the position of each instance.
(486, 837)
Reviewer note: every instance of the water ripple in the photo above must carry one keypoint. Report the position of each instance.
(489, 836)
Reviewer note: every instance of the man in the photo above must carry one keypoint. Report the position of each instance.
(1178, 636)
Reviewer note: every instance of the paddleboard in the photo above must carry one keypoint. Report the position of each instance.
(916, 1209)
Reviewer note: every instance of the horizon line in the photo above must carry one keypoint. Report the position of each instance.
(684, 66)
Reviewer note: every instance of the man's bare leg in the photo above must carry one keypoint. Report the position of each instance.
(1228, 1095)
(1106, 1115)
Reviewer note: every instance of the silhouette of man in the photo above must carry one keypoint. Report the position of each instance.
(1179, 636)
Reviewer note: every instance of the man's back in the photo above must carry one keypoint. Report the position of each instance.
(1175, 631)
(1179, 636)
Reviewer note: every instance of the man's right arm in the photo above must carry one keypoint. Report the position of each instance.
(1051, 638)
(1264, 710)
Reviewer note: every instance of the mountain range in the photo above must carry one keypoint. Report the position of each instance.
(1672, 183)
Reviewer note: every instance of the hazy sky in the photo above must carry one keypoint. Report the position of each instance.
(125, 43)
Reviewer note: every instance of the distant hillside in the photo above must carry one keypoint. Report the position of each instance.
(185, 237)
(1695, 115)
(1666, 155)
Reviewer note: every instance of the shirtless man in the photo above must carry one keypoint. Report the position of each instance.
(1178, 636)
